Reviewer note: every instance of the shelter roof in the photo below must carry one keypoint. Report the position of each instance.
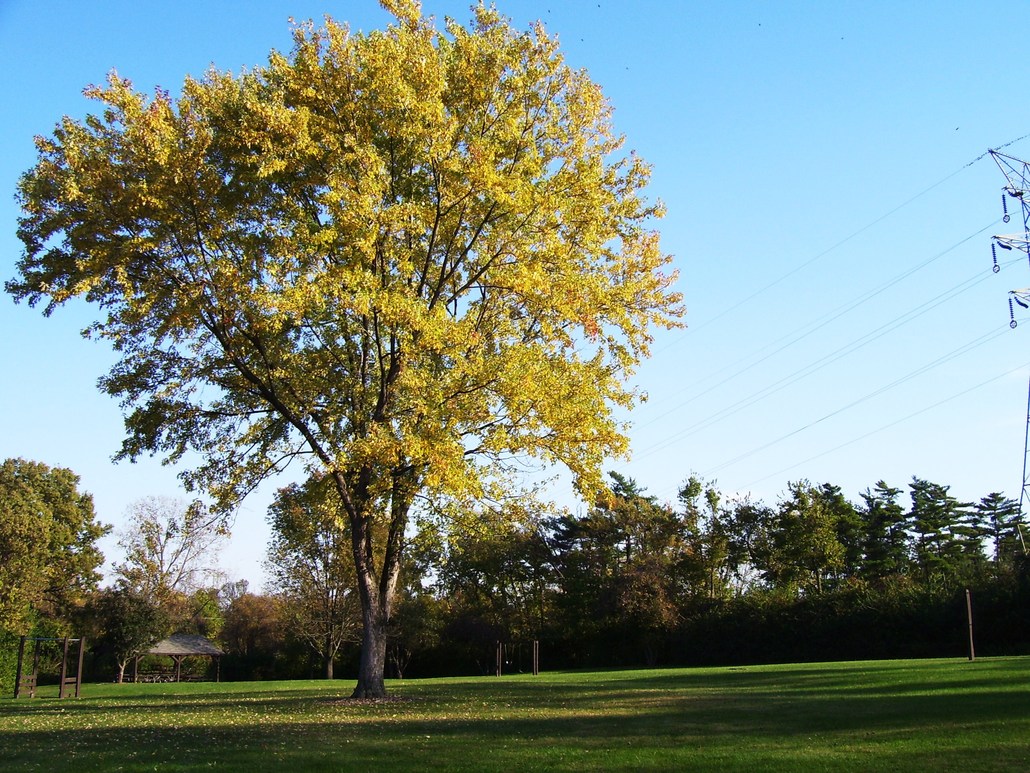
(185, 644)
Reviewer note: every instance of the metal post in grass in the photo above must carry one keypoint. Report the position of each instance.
(969, 618)
(536, 657)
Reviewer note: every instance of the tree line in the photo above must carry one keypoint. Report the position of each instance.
(707, 579)
(630, 581)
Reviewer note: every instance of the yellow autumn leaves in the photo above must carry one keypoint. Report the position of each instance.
(387, 253)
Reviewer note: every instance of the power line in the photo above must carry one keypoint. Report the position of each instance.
(890, 424)
(812, 327)
(851, 236)
(808, 329)
(968, 346)
(818, 364)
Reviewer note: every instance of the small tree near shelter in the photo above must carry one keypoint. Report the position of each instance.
(128, 622)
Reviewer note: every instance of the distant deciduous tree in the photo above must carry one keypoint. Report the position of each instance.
(255, 635)
(48, 552)
(311, 568)
(708, 559)
(414, 628)
(747, 528)
(229, 591)
(169, 547)
(624, 566)
(498, 577)
(204, 613)
(804, 539)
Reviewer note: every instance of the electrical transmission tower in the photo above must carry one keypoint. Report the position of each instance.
(1017, 176)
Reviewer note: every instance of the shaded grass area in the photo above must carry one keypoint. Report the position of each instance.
(941, 715)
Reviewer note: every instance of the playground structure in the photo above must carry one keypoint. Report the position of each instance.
(509, 654)
(26, 682)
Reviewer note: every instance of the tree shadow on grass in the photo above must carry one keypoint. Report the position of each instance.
(732, 722)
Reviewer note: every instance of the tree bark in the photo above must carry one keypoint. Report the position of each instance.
(376, 592)
(376, 589)
(373, 656)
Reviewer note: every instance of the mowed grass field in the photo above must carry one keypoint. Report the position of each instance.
(927, 715)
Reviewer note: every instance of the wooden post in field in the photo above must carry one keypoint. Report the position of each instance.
(21, 658)
(64, 669)
(969, 617)
(33, 678)
(536, 657)
(500, 658)
(78, 673)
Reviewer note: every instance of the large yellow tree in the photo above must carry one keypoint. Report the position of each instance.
(409, 257)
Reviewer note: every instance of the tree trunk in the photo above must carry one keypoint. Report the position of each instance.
(375, 589)
(400, 657)
(373, 656)
(328, 653)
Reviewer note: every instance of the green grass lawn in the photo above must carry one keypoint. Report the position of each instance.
(929, 715)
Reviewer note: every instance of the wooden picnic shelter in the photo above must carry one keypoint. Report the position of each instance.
(179, 646)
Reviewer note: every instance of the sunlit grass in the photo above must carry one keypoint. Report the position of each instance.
(938, 715)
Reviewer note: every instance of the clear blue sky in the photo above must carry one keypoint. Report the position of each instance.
(826, 210)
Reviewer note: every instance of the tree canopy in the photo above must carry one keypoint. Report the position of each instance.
(410, 257)
(48, 535)
(127, 622)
